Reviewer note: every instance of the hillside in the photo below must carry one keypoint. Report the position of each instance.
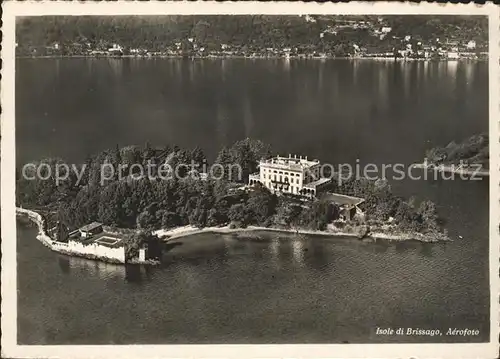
(332, 34)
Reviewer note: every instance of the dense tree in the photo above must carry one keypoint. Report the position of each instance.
(473, 150)
(319, 215)
(148, 204)
(262, 206)
(199, 158)
(289, 213)
(237, 213)
(170, 219)
(429, 215)
(224, 160)
(140, 239)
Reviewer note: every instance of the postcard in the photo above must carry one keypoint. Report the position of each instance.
(248, 180)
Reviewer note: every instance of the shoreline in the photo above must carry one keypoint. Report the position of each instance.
(188, 230)
(261, 57)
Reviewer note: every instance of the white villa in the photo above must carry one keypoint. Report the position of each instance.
(292, 174)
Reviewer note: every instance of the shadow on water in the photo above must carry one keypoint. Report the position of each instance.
(170, 245)
(380, 248)
(138, 274)
(133, 273)
(401, 247)
(316, 257)
(64, 264)
(88, 267)
(426, 250)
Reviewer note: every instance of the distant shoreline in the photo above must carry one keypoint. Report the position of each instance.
(216, 57)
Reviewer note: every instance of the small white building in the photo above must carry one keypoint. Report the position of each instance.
(309, 18)
(471, 45)
(453, 55)
(115, 49)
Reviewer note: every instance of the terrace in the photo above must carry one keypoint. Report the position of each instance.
(342, 200)
(103, 238)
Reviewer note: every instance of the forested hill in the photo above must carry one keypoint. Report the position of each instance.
(131, 198)
(158, 33)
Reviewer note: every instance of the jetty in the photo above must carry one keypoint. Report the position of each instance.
(458, 169)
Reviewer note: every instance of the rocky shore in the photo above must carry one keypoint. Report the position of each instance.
(357, 232)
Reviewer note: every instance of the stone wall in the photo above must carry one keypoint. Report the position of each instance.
(93, 251)
(97, 250)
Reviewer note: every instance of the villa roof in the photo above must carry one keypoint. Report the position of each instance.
(90, 226)
(317, 183)
(289, 163)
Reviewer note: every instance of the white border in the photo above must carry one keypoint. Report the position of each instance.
(9, 292)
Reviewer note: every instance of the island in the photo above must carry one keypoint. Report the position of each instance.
(469, 157)
(129, 216)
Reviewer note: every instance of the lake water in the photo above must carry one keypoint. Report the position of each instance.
(224, 289)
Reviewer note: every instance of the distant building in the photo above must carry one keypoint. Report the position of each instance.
(453, 55)
(293, 175)
(403, 53)
(309, 18)
(471, 45)
(115, 50)
(385, 29)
